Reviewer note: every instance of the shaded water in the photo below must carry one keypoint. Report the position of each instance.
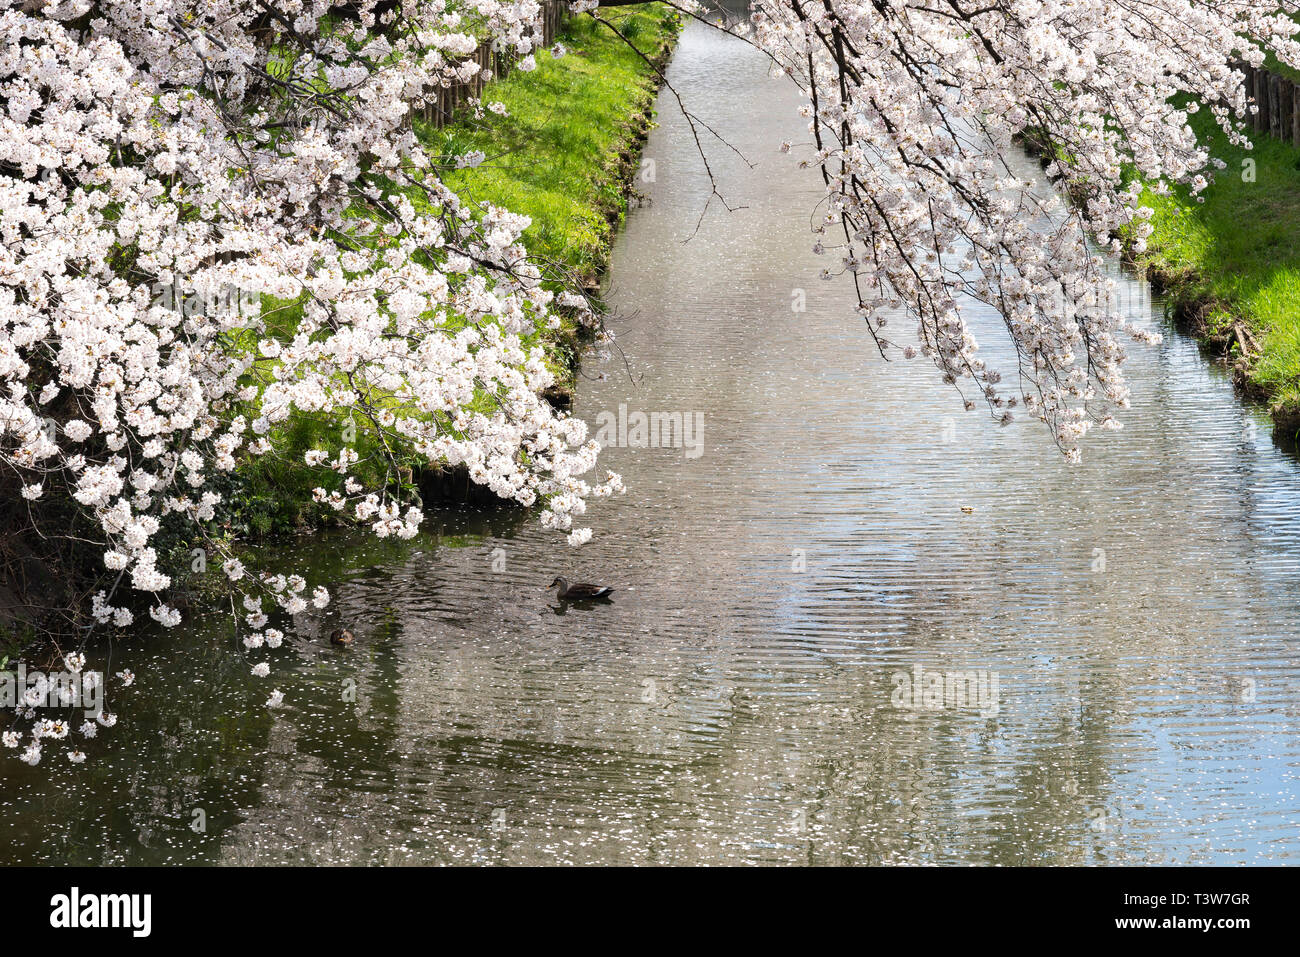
(1139, 611)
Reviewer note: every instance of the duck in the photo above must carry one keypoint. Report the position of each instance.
(579, 591)
(341, 637)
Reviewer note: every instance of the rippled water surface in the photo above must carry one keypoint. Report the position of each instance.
(843, 525)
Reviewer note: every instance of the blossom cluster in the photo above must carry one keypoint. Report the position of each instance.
(263, 147)
(913, 106)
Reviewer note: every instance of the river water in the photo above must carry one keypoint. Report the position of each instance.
(746, 696)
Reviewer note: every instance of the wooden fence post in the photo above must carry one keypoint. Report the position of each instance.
(1283, 119)
(1261, 103)
(1274, 105)
(1267, 101)
(1254, 96)
(1291, 124)
(1271, 101)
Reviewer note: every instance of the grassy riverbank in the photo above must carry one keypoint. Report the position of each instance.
(566, 150)
(1231, 266)
(563, 154)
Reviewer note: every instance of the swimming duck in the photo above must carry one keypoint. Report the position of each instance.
(579, 591)
(341, 637)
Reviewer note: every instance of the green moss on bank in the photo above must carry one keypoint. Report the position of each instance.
(1231, 264)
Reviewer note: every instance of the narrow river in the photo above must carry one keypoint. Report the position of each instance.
(745, 698)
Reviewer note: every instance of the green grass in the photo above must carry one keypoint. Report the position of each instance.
(1236, 256)
(557, 156)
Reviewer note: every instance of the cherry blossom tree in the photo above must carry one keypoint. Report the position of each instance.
(913, 106)
(156, 155)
